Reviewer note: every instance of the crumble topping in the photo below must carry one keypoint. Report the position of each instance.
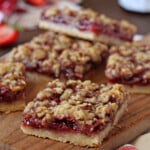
(129, 64)
(89, 20)
(86, 105)
(55, 54)
(12, 76)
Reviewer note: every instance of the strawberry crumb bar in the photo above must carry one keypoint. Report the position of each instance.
(79, 112)
(55, 54)
(12, 87)
(87, 24)
(130, 65)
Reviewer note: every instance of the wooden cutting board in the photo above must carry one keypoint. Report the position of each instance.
(135, 122)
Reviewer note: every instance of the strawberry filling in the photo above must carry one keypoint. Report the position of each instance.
(134, 80)
(67, 124)
(7, 96)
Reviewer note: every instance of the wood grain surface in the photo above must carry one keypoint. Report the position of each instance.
(134, 122)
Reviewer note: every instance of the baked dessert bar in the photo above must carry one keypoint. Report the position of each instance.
(79, 112)
(55, 54)
(130, 65)
(12, 87)
(87, 24)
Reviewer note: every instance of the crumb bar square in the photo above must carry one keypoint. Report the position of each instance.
(130, 65)
(56, 54)
(75, 110)
(87, 24)
(12, 86)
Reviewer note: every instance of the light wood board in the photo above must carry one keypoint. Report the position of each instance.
(135, 122)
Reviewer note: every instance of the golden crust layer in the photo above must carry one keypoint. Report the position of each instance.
(16, 105)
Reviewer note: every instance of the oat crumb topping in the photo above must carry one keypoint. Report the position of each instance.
(129, 64)
(55, 54)
(12, 76)
(84, 101)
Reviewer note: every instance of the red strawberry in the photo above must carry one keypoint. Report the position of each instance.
(128, 147)
(36, 2)
(6, 7)
(8, 35)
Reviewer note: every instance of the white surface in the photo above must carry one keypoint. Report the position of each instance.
(143, 142)
(64, 4)
(142, 6)
(137, 37)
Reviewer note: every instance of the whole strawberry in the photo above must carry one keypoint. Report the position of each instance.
(8, 35)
